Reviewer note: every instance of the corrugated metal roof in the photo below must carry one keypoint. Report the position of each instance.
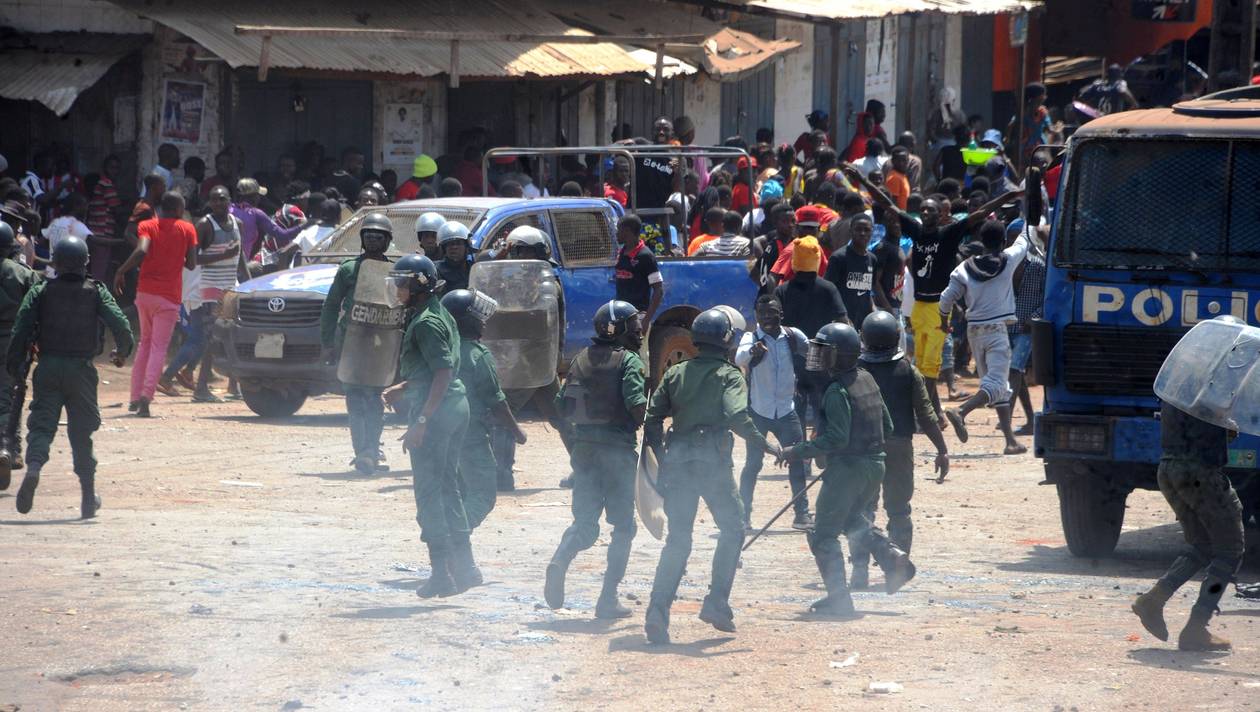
(823, 10)
(55, 68)
(212, 24)
(725, 53)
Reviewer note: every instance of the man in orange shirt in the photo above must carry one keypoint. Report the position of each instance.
(712, 226)
(167, 246)
(896, 180)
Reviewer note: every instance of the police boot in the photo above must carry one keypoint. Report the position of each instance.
(26, 493)
(896, 564)
(838, 603)
(463, 567)
(716, 610)
(440, 582)
(1196, 636)
(860, 580)
(1149, 608)
(90, 502)
(607, 606)
(656, 622)
(553, 586)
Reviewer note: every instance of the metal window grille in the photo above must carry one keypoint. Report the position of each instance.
(584, 237)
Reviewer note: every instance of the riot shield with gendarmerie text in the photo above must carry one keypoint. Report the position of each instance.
(524, 334)
(1213, 373)
(374, 331)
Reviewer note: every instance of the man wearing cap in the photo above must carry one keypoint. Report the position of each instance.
(808, 220)
(422, 171)
(256, 224)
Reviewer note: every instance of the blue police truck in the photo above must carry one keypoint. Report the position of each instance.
(1157, 227)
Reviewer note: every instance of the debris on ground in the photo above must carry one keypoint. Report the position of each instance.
(847, 662)
(885, 688)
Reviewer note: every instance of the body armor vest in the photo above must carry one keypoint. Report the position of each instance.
(594, 387)
(896, 384)
(866, 405)
(68, 324)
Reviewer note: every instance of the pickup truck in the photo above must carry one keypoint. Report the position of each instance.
(268, 328)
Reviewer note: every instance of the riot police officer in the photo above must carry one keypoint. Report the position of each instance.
(453, 245)
(855, 424)
(487, 405)
(603, 398)
(430, 365)
(63, 316)
(427, 227)
(707, 398)
(905, 394)
(364, 407)
(16, 279)
(527, 242)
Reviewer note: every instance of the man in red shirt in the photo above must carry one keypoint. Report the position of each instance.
(167, 246)
(615, 186)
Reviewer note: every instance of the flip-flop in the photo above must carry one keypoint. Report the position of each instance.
(206, 398)
(167, 389)
(959, 396)
(960, 428)
(1016, 449)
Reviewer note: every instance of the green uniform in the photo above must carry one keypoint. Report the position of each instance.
(364, 407)
(478, 480)
(604, 457)
(65, 377)
(16, 279)
(707, 398)
(432, 344)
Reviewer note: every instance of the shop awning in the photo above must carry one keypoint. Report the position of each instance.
(836, 10)
(725, 54)
(214, 26)
(54, 68)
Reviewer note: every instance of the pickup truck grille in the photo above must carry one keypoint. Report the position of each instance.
(1114, 360)
(256, 311)
(292, 353)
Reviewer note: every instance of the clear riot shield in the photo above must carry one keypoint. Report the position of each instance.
(524, 334)
(374, 331)
(1213, 373)
(647, 499)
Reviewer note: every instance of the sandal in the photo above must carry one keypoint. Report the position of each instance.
(1015, 449)
(166, 389)
(206, 398)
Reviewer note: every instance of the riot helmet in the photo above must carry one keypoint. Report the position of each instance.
(376, 233)
(430, 222)
(719, 327)
(8, 241)
(617, 322)
(881, 338)
(411, 276)
(470, 309)
(451, 231)
(835, 349)
(527, 242)
(70, 256)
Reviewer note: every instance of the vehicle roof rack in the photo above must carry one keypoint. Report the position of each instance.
(1236, 103)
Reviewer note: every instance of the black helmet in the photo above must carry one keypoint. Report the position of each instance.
(377, 223)
(834, 349)
(413, 274)
(7, 240)
(613, 323)
(70, 256)
(720, 326)
(881, 338)
(470, 309)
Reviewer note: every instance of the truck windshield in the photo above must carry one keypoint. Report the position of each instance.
(345, 240)
(1162, 204)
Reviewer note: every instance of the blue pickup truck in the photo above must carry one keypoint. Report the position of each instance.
(269, 326)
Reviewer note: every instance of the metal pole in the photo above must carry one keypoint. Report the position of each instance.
(657, 95)
(785, 508)
(835, 86)
(1019, 97)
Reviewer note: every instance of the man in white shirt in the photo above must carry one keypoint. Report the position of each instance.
(329, 215)
(771, 354)
(984, 283)
(68, 225)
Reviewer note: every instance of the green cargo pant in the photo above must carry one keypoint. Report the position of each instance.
(477, 474)
(70, 383)
(1211, 520)
(435, 473)
(898, 488)
(685, 484)
(366, 412)
(849, 485)
(603, 483)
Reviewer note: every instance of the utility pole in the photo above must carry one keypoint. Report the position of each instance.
(1233, 42)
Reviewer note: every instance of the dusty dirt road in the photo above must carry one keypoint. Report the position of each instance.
(237, 565)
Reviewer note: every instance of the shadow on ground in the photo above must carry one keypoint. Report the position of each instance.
(637, 643)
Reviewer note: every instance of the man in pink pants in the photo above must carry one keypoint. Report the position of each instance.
(168, 246)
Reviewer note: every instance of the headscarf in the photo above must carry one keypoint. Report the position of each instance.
(806, 255)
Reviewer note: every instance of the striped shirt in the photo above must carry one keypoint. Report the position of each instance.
(103, 207)
(727, 245)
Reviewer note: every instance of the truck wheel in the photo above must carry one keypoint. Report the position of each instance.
(669, 345)
(1092, 511)
(272, 402)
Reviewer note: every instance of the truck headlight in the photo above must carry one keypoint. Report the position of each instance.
(230, 306)
(1079, 437)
